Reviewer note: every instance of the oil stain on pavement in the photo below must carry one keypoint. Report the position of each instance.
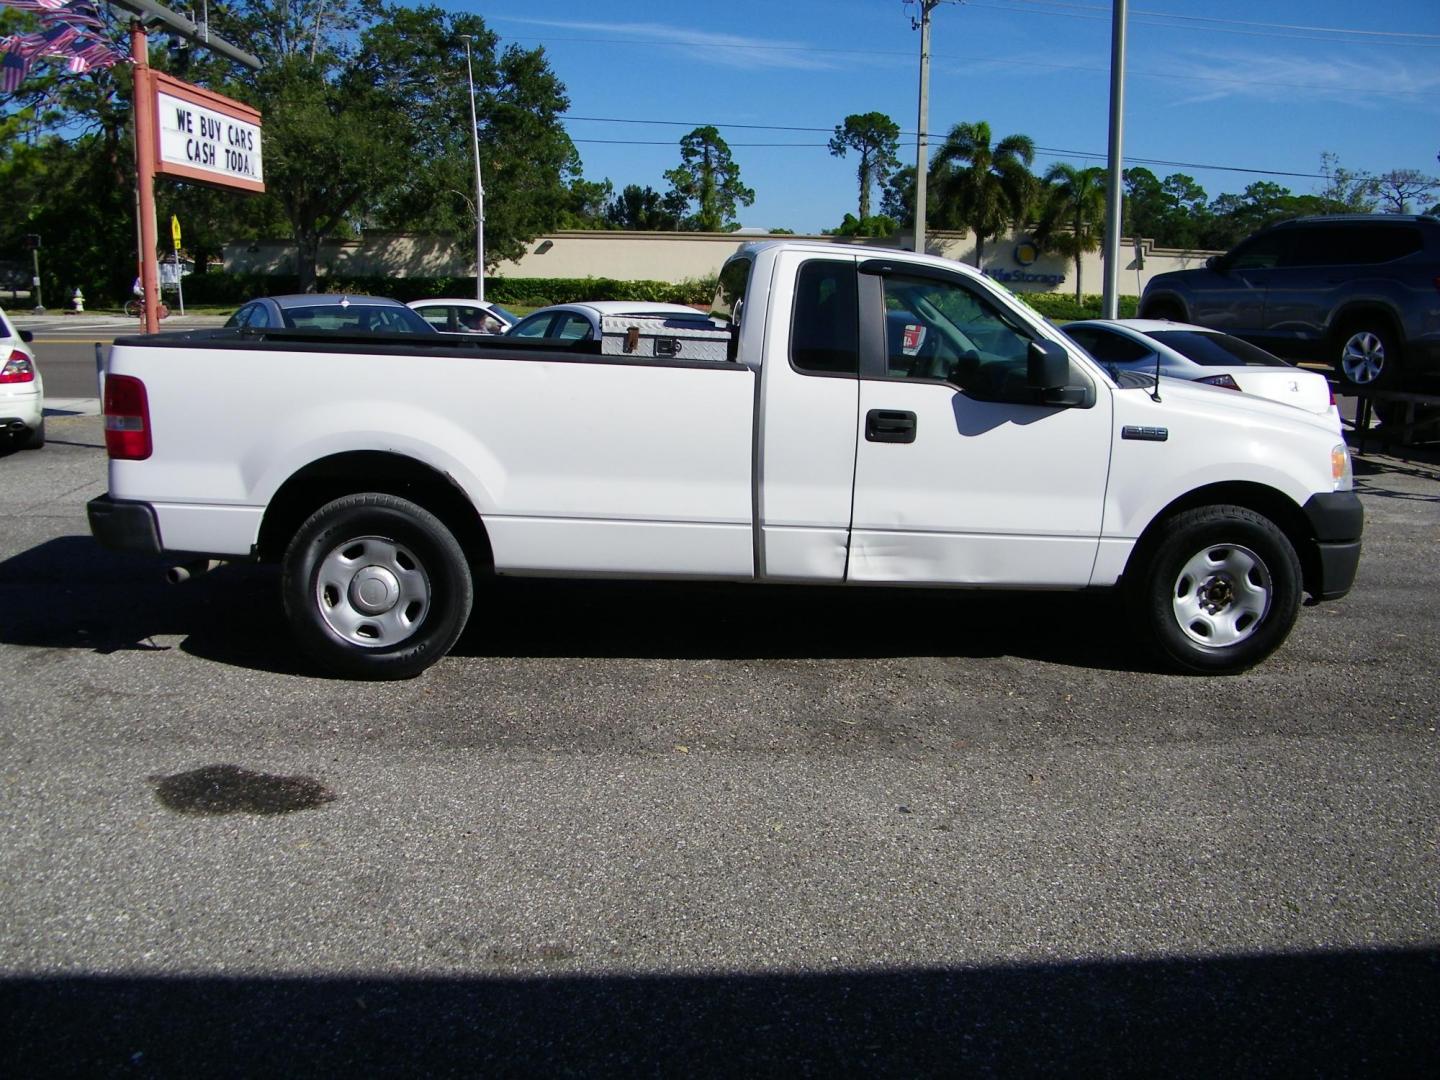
(229, 789)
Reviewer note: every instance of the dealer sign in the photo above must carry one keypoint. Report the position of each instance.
(205, 136)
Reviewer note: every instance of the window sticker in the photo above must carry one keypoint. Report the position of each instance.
(913, 338)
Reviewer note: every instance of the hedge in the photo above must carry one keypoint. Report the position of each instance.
(1062, 306)
(222, 287)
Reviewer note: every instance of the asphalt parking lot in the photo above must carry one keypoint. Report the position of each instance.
(709, 830)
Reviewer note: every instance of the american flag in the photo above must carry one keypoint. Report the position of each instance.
(67, 35)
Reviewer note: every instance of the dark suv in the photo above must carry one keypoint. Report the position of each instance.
(1360, 292)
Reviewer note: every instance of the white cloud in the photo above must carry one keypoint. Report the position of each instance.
(1352, 80)
(728, 50)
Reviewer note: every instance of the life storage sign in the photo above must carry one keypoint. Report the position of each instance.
(206, 137)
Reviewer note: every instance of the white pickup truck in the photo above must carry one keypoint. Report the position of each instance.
(883, 418)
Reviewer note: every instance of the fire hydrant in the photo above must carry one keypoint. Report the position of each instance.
(77, 302)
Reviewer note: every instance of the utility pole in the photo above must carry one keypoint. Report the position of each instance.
(922, 154)
(1110, 300)
(479, 185)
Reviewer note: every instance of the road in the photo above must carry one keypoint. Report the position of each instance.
(65, 349)
(709, 830)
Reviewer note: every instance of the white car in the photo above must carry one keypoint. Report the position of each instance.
(1202, 355)
(452, 315)
(581, 322)
(22, 392)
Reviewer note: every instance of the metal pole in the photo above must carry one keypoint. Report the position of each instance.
(922, 156)
(179, 282)
(479, 187)
(1113, 196)
(145, 174)
(35, 282)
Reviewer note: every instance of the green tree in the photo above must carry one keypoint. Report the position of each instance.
(1398, 188)
(986, 188)
(708, 177)
(645, 209)
(1346, 192)
(587, 204)
(879, 225)
(1072, 221)
(875, 138)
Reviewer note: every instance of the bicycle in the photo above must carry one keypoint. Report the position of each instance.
(135, 308)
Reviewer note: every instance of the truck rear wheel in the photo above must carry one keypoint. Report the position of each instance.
(375, 587)
(1219, 592)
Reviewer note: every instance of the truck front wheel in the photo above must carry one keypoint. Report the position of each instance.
(375, 587)
(1220, 590)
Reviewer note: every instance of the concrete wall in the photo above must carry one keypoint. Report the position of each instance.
(679, 256)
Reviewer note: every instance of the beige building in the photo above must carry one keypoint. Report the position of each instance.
(685, 256)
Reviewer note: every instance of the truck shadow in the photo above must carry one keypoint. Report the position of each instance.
(1342, 1013)
(70, 593)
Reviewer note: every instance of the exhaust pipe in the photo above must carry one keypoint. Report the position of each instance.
(178, 575)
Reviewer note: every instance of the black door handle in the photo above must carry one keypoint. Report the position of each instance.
(889, 425)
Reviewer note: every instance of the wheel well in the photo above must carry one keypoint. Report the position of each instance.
(1268, 502)
(372, 470)
(1164, 302)
(1366, 313)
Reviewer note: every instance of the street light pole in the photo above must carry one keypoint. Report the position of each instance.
(479, 185)
(1114, 205)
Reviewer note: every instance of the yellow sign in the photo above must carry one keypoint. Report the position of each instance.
(175, 230)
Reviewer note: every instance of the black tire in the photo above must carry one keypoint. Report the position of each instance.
(132, 309)
(1218, 591)
(1367, 356)
(36, 439)
(375, 587)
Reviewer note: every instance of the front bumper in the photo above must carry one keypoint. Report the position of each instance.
(122, 525)
(1336, 521)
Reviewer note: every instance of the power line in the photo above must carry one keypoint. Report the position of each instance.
(649, 42)
(1236, 22)
(1046, 151)
(1053, 9)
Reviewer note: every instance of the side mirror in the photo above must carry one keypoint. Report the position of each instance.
(1048, 376)
(1216, 263)
(1048, 366)
(27, 336)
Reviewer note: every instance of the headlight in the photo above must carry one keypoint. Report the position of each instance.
(1340, 471)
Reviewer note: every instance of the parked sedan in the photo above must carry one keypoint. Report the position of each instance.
(581, 322)
(329, 311)
(22, 391)
(1201, 355)
(455, 316)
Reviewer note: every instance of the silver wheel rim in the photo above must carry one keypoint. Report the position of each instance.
(1363, 358)
(1221, 595)
(372, 591)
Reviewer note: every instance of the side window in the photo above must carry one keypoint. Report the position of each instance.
(1383, 243)
(825, 333)
(534, 327)
(570, 327)
(1107, 346)
(1322, 245)
(1261, 253)
(730, 290)
(259, 317)
(437, 316)
(945, 330)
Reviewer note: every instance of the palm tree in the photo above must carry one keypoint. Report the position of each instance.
(1072, 219)
(985, 188)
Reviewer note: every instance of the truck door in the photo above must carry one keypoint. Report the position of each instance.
(810, 391)
(960, 476)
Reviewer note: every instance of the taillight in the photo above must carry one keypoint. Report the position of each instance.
(127, 418)
(1223, 381)
(17, 369)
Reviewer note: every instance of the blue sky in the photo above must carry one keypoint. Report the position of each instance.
(1228, 82)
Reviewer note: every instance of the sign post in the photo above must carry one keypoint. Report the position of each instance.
(189, 133)
(179, 278)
